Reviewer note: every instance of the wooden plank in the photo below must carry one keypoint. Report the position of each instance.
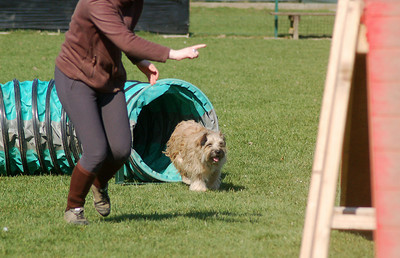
(362, 44)
(319, 212)
(336, 131)
(354, 218)
(308, 238)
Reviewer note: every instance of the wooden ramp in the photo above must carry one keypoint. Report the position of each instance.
(359, 131)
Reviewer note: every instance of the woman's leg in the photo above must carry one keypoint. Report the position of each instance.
(102, 126)
(81, 180)
(80, 103)
(117, 129)
(116, 126)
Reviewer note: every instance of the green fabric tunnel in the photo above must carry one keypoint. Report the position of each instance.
(38, 138)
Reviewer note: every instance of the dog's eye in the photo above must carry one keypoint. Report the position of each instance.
(209, 144)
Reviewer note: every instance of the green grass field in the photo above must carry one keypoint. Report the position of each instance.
(267, 94)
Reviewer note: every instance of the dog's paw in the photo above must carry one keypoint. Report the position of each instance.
(186, 180)
(214, 181)
(215, 185)
(198, 186)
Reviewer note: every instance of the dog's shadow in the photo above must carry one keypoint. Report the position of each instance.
(225, 216)
(229, 187)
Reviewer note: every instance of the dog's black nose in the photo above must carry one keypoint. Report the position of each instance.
(218, 152)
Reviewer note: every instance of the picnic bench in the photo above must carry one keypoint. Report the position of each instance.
(294, 18)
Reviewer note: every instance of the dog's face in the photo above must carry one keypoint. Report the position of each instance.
(213, 147)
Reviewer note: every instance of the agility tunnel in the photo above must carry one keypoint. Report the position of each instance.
(38, 138)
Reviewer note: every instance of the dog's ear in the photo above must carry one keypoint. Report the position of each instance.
(203, 139)
(222, 136)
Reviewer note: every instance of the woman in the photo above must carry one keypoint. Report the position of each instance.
(89, 78)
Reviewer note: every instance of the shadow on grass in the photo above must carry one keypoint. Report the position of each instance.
(201, 215)
(228, 187)
(368, 235)
(225, 187)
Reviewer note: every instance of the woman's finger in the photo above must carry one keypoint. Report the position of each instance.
(199, 46)
(194, 53)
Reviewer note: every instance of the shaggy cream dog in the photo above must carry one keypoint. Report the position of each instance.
(198, 154)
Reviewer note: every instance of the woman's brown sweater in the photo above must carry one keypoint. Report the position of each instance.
(99, 31)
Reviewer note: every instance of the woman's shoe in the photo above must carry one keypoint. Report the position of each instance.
(76, 216)
(101, 200)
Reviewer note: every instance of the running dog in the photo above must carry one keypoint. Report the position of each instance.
(198, 154)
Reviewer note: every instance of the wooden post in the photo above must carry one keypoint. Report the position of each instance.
(343, 118)
(296, 21)
(327, 159)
